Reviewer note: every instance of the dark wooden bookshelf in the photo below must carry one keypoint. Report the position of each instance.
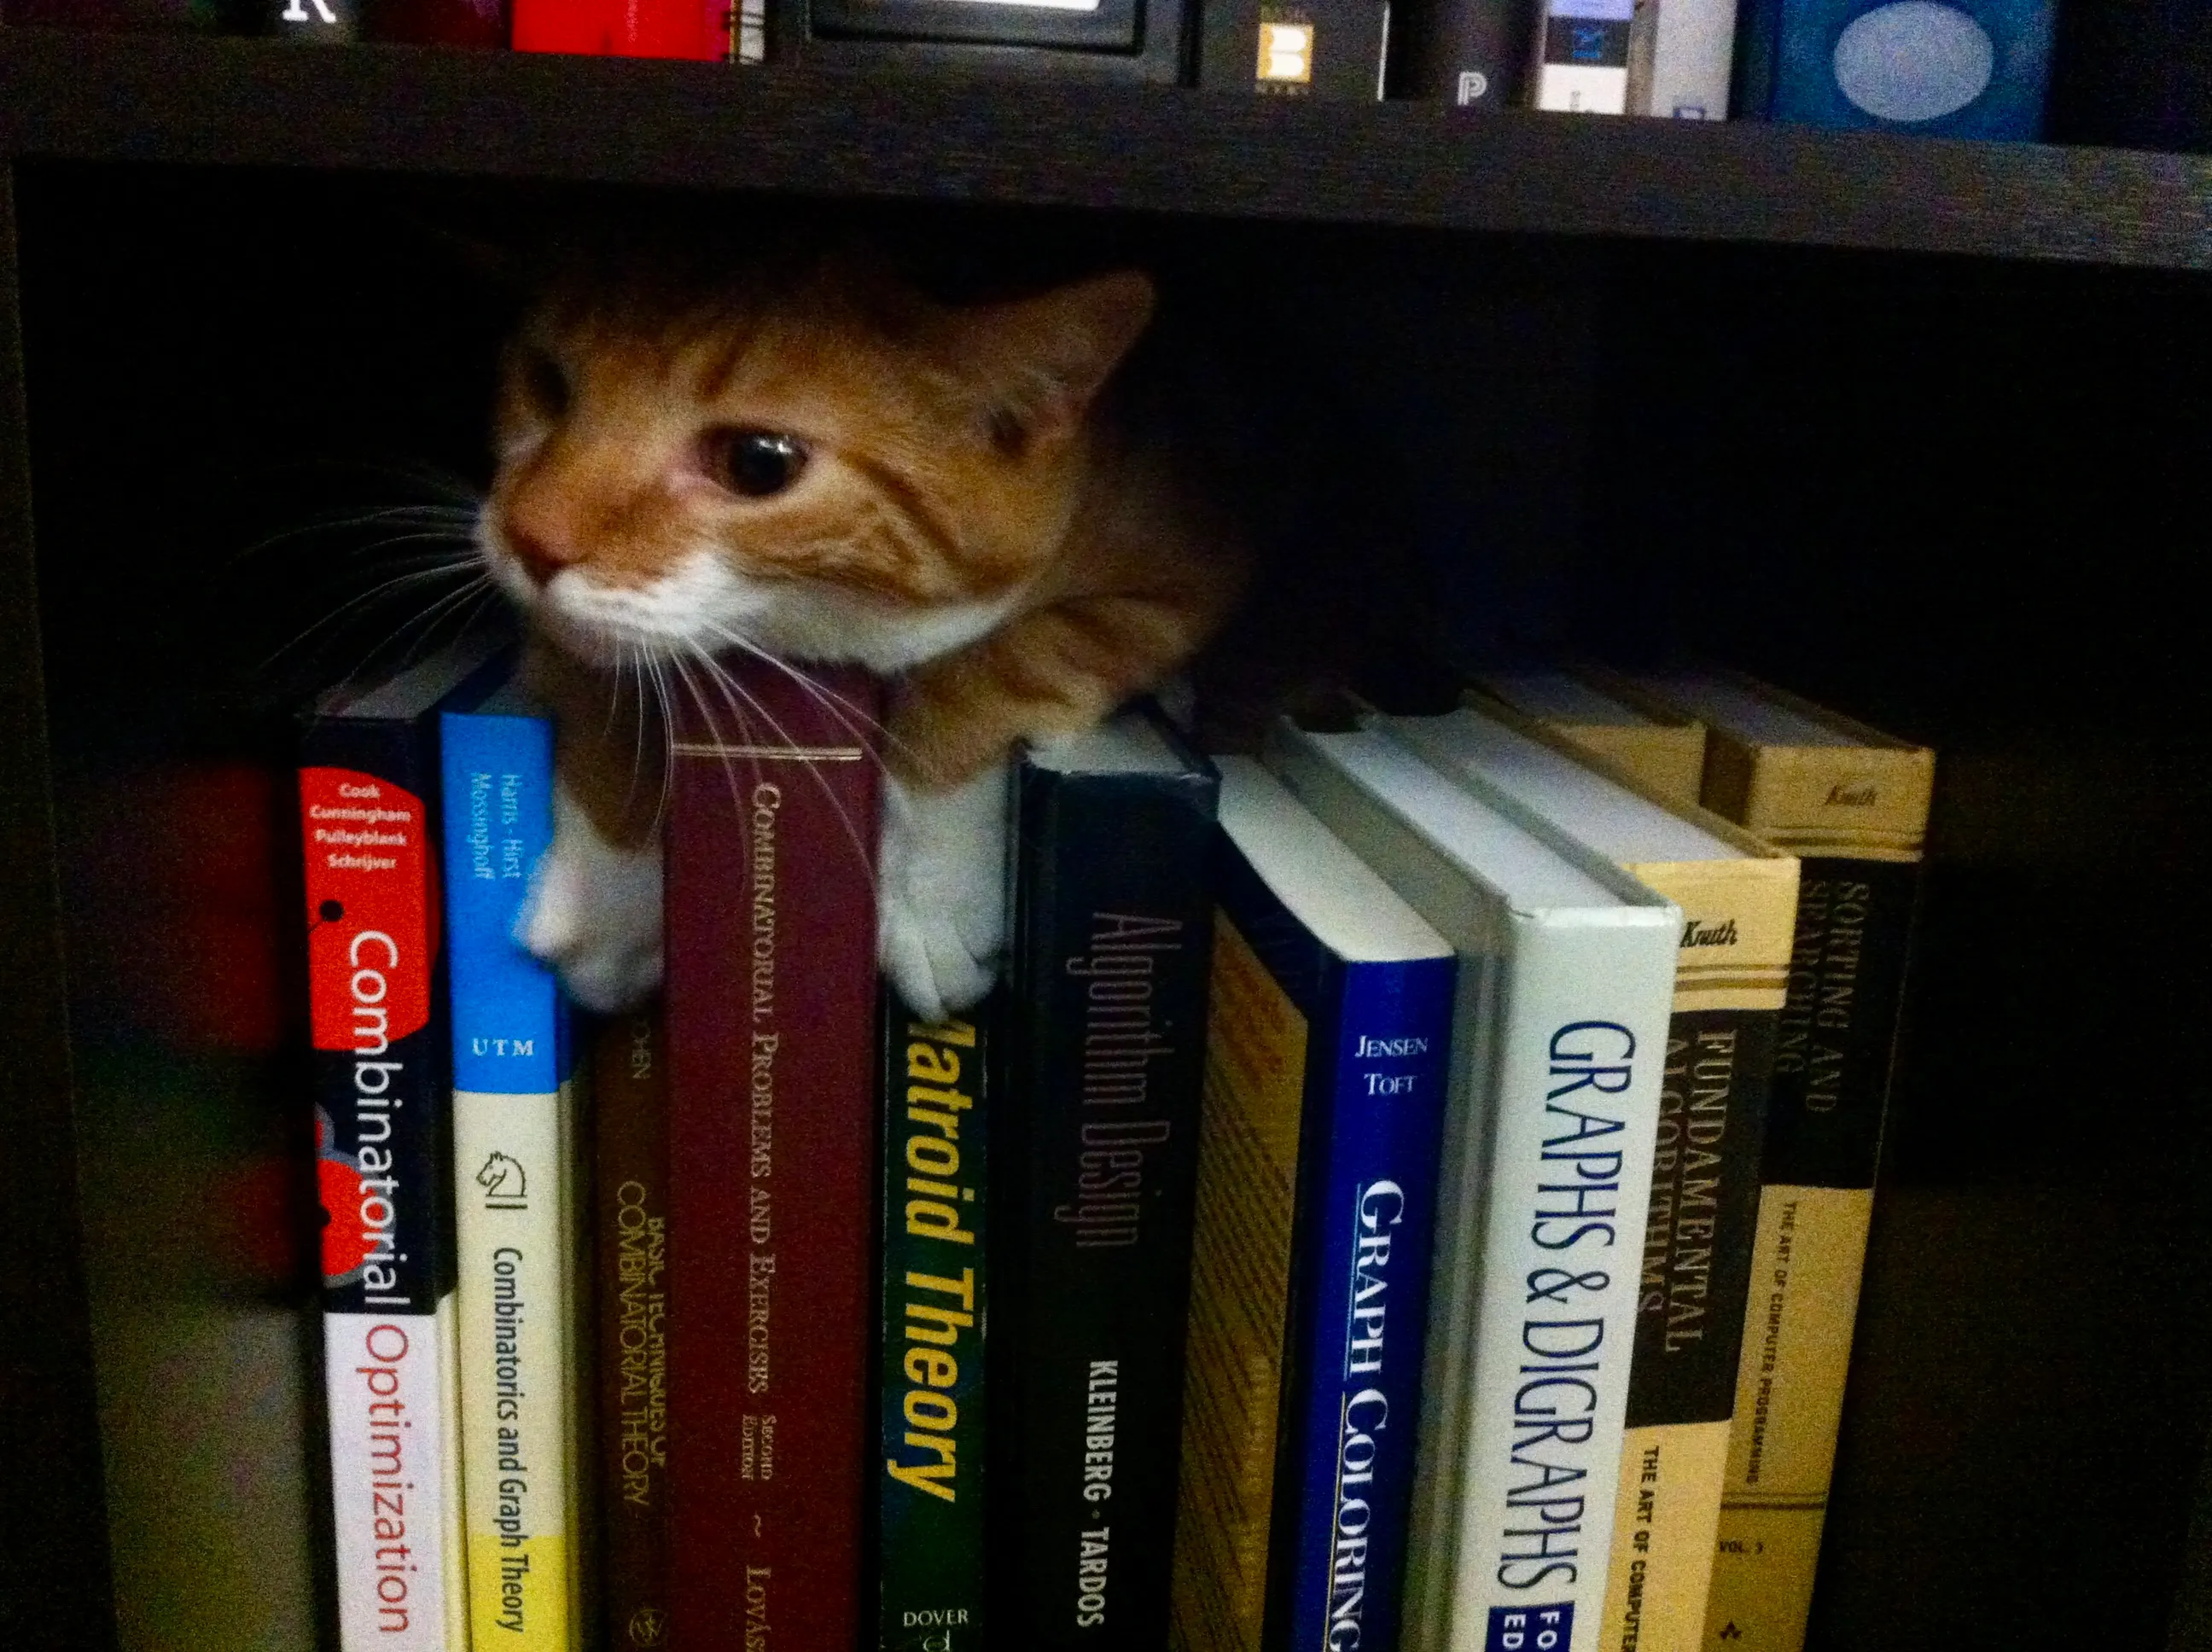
(942, 138)
(1916, 428)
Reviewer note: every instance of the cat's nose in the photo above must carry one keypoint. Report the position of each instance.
(538, 558)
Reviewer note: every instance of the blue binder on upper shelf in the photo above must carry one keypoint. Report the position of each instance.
(1946, 68)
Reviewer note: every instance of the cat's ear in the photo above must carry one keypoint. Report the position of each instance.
(1040, 362)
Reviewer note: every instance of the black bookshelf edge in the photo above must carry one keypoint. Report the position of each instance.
(224, 102)
(53, 1531)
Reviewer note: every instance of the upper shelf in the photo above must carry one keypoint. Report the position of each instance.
(1060, 143)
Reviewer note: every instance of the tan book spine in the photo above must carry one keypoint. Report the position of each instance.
(1866, 799)
(1255, 1062)
(1662, 750)
(1699, 1247)
(1856, 811)
(1668, 758)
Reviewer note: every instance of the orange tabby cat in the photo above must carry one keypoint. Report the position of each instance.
(806, 457)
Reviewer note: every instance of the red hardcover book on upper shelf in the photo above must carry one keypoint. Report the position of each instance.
(639, 28)
(771, 1002)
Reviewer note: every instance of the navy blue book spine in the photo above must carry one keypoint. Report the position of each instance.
(1758, 39)
(1378, 1052)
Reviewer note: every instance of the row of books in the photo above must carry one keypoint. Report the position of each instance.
(1679, 911)
(1957, 67)
(1104, 1317)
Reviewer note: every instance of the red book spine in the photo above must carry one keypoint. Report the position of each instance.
(771, 834)
(624, 29)
(382, 1067)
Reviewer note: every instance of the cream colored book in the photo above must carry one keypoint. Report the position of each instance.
(1596, 712)
(1852, 803)
(1739, 899)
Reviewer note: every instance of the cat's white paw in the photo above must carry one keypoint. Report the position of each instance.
(941, 892)
(594, 912)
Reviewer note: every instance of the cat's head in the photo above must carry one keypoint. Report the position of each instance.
(804, 456)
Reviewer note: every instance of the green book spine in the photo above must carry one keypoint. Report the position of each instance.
(935, 1187)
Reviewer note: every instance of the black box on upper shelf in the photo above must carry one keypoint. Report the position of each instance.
(2133, 74)
(1118, 40)
(1295, 48)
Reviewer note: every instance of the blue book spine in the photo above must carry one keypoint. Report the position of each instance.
(515, 1197)
(510, 1031)
(1757, 36)
(1376, 1086)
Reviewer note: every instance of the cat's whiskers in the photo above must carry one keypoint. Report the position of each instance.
(614, 630)
(439, 567)
(426, 517)
(733, 691)
(714, 731)
(631, 669)
(868, 731)
(433, 479)
(462, 606)
(461, 542)
(656, 673)
(615, 679)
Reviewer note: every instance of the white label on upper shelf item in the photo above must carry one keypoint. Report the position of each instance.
(1285, 51)
(1914, 61)
(1583, 91)
(1036, 5)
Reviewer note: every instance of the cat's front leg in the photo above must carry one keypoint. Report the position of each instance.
(593, 913)
(941, 891)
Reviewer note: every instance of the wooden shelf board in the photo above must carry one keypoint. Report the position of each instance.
(232, 102)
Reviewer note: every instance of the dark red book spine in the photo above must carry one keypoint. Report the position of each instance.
(771, 994)
(478, 23)
(630, 1243)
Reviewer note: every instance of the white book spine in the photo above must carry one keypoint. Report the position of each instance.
(1582, 89)
(1570, 1100)
(1558, 1041)
(1691, 54)
(517, 1358)
(396, 1483)
(1583, 61)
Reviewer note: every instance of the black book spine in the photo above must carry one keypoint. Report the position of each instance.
(1474, 54)
(1295, 48)
(1833, 1051)
(309, 22)
(936, 1295)
(1113, 940)
(1697, 1242)
(1839, 1030)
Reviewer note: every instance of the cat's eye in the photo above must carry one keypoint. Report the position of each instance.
(545, 383)
(755, 462)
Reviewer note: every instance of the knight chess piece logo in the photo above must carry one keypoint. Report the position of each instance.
(506, 1187)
